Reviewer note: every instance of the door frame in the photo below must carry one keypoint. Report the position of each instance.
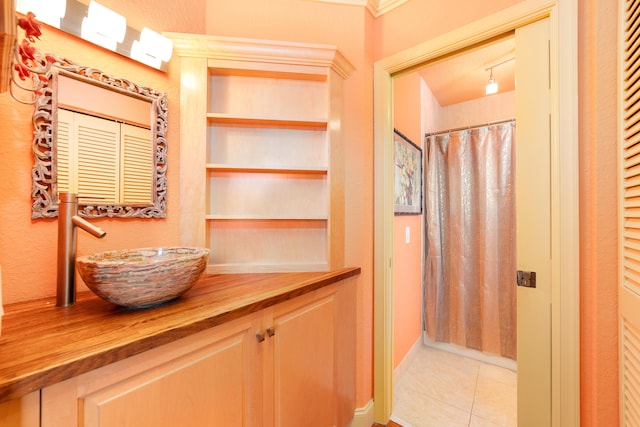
(565, 326)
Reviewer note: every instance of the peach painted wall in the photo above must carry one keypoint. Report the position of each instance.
(28, 247)
(407, 257)
(501, 106)
(419, 20)
(432, 119)
(161, 15)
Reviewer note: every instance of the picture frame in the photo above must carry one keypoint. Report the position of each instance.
(407, 176)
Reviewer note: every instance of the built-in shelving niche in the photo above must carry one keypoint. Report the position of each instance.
(265, 136)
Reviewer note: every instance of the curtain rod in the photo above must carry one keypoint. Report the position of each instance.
(499, 122)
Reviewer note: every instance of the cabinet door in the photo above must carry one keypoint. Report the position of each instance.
(304, 383)
(209, 379)
(21, 412)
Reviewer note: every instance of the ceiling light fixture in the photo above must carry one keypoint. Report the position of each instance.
(492, 85)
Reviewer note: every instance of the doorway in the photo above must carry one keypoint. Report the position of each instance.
(469, 307)
(564, 308)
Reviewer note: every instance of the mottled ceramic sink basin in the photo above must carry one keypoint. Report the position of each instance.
(142, 277)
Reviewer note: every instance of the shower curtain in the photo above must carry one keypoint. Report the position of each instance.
(470, 265)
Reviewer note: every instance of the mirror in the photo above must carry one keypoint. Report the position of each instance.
(51, 168)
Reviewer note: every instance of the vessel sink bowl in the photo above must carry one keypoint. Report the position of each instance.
(143, 277)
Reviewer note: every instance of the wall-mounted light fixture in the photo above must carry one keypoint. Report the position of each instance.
(49, 12)
(99, 25)
(152, 48)
(492, 85)
(103, 26)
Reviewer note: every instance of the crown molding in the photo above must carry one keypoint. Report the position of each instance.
(264, 51)
(380, 7)
(376, 7)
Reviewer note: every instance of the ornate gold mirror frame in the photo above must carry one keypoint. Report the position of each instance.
(44, 173)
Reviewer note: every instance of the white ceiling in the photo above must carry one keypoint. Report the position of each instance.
(463, 77)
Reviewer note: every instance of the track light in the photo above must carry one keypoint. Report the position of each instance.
(492, 86)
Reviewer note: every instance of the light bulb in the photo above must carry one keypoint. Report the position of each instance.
(492, 86)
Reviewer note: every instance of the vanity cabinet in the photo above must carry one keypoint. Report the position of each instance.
(262, 163)
(21, 412)
(310, 360)
(203, 380)
(290, 364)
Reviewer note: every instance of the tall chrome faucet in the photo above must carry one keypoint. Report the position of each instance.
(68, 220)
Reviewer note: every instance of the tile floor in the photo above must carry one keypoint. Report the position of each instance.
(436, 388)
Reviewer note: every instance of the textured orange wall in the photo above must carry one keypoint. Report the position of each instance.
(407, 257)
(418, 20)
(407, 288)
(161, 15)
(28, 247)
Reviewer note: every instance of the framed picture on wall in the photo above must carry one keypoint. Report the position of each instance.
(408, 176)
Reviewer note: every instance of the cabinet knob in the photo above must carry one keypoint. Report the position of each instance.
(260, 336)
(271, 331)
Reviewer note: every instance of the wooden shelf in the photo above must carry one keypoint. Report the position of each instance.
(216, 167)
(270, 74)
(285, 122)
(265, 218)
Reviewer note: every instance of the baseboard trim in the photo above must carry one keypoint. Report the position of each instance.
(491, 359)
(363, 417)
(406, 361)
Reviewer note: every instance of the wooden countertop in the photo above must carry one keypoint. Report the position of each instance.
(42, 344)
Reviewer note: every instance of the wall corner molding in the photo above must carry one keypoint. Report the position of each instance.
(376, 7)
(380, 7)
(261, 51)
